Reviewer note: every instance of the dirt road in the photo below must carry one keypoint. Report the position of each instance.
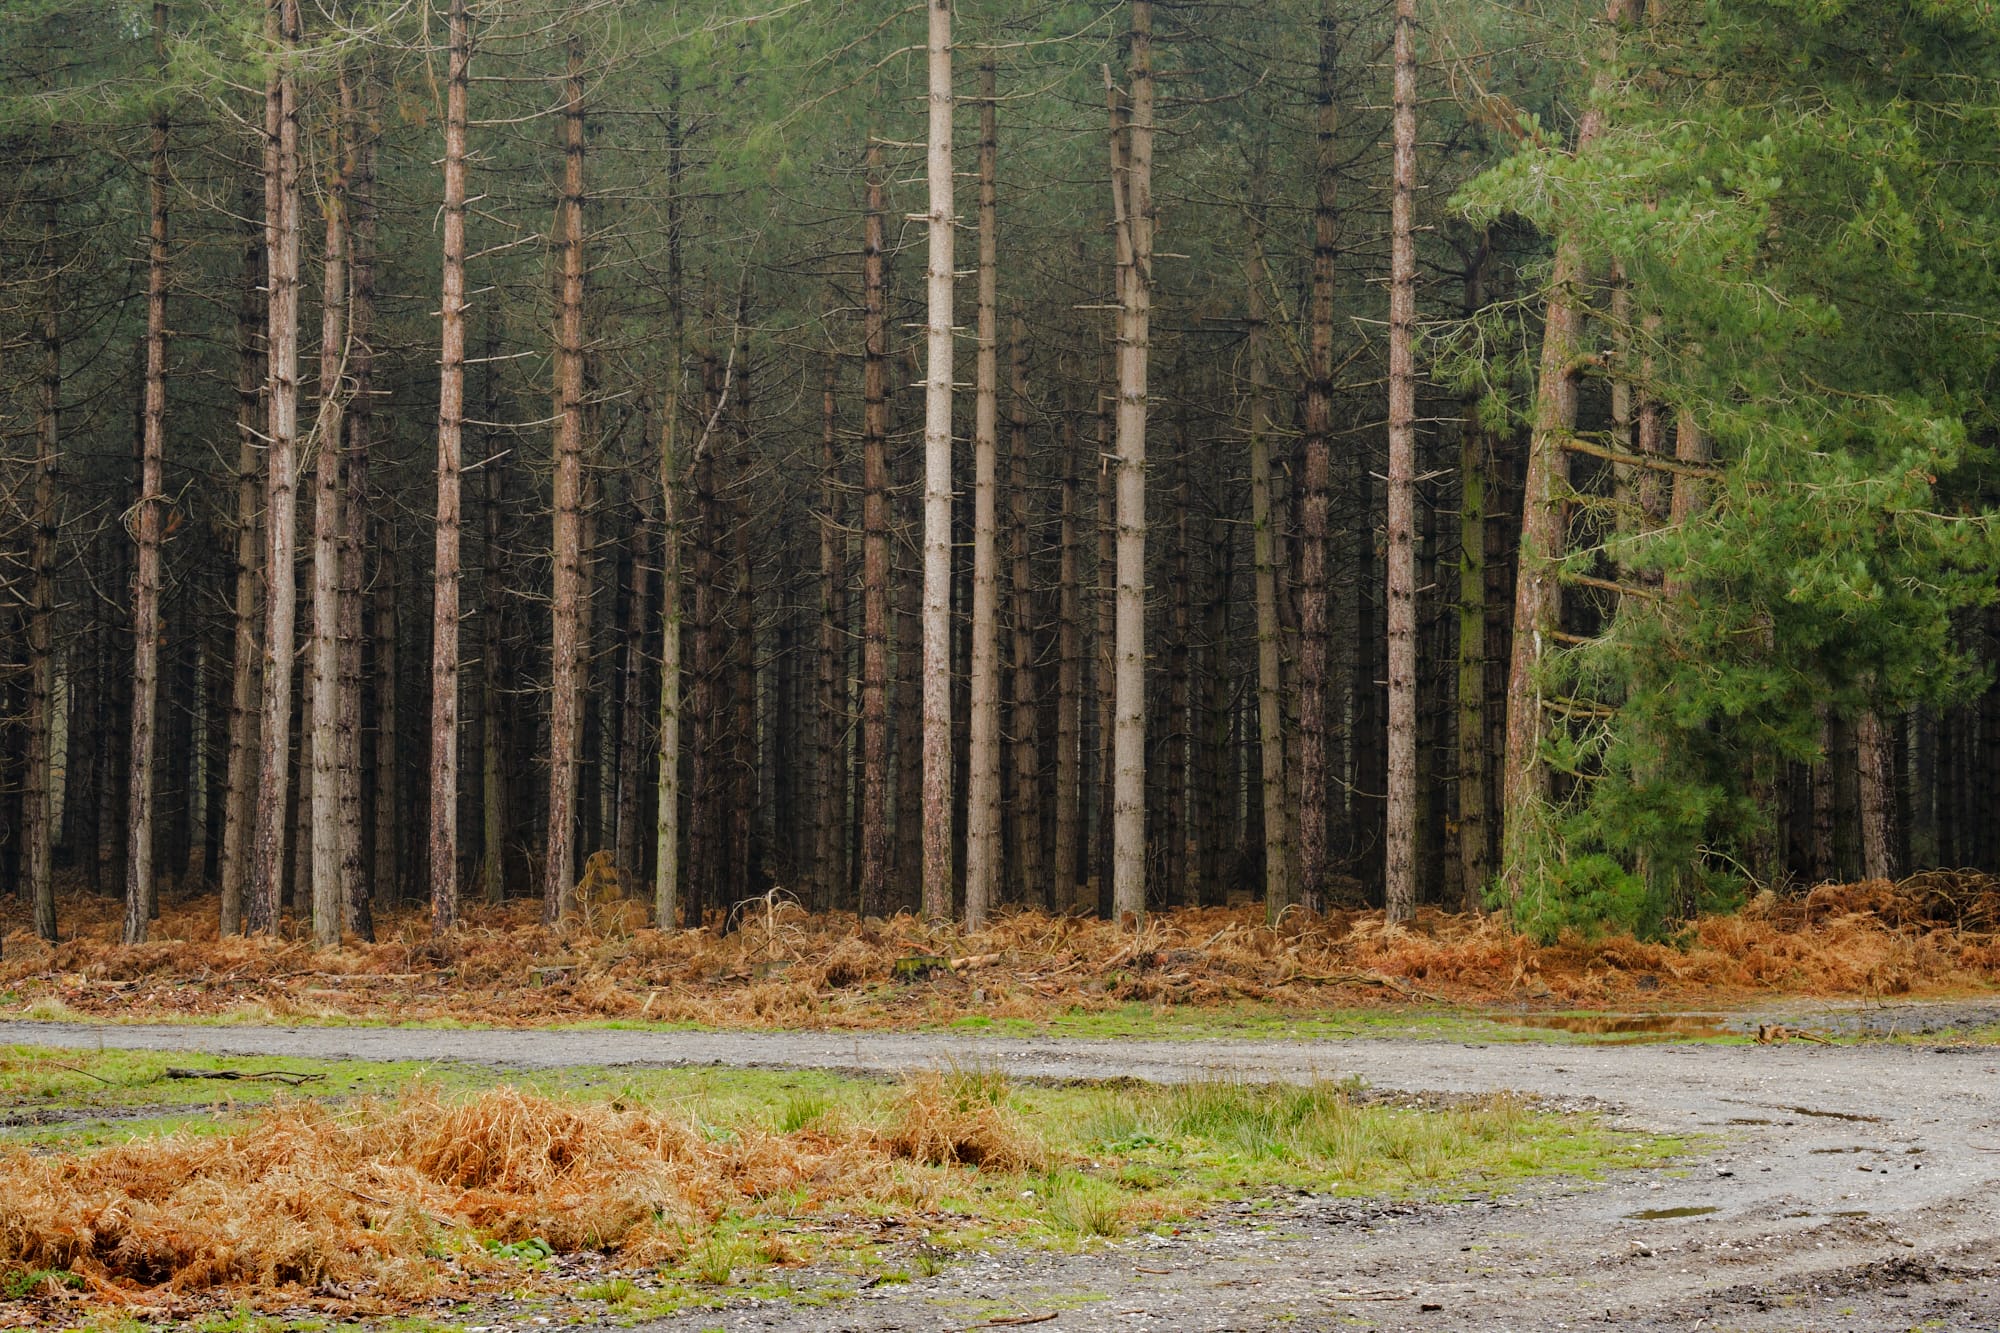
(1849, 1187)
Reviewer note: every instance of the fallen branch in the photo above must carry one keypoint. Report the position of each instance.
(971, 961)
(284, 1076)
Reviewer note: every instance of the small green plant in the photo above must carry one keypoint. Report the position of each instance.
(803, 1110)
(533, 1252)
(1081, 1207)
(35, 1281)
(614, 1291)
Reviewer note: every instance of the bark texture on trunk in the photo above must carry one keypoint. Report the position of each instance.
(1874, 753)
(146, 524)
(1029, 885)
(281, 243)
(982, 783)
(443, 841)
(830, 692)
(1475, 835)
(566, 635)
(1132, 195)
(667, 883)
(937, 900)
(324, 655)
(1069, 684)
(362, 133)
(1400, 861)
(874, 557)
(240, 791)
(38, 806)
(1275, 791)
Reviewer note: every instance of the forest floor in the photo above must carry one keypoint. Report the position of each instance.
(1803, 1186)
(1211, 970)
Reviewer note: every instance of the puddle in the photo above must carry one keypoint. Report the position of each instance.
(1661, 1214)
(1835, 1115)
(1638, 1027)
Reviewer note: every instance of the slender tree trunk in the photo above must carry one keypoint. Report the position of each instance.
(324, 822)
(744, 769)
(1176, 745)
(982, 795)
(1105, 643)
(492, 593)
(1874, 748)
(38, 810)
(1026, 739)
(1400, 862)
(1475, 837)
(389, 877)
(1069, 685)
(281, 244)
(1537, 589)
(937, 893)
(146, 626)
(631, 768)
(831, 703)
(443, 841)
(354, 519)
(667, 815)
(1275, 792)
(240, 797)
(874, 559)
(1132, 191)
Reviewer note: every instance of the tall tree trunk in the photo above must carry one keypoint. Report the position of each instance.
(874, 558)
(1537, 589)
(937, 480)
(1105, 656)
(281, 245)
(667, 814)
(1874, 746)
(241, 783)
(1026, 739)
(982, 788)
(354, 519)
(1132, 193)
(1400, 862)
(39, 806)
(390, 816)
(492, 593)
(1475, 835)
(565, 643)
(830, 804)
(324, 824)
(1069, 685)
(1315, 758)
(140, 888)
(443, 841)
(1275, 789)
(744, 768)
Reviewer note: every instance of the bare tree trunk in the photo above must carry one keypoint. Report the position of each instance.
(389, 877)
(667, 817)
(1105, 644)
(631, 767)
(140, 888)
(281, 244)
(937, 481)
(874, 559)
(324, 823)
(492, 592)
(1315, 759)
(354, 525)
(1030, 886)
(1873, 749)
(1400, 865)
(1276, 792)
(443, 841)
(1069, 684)
(982, 794)
(1475, 835)
(240, 798)
(38, 810)
(1132, 193)
(1537, 589)
(830, 803)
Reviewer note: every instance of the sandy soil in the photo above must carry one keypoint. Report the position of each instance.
(1851, 1187)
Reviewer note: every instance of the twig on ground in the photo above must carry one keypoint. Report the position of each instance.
(285, 1076)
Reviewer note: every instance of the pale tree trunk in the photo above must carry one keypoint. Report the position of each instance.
(1132, 194)
(1276, 791)
(667, 813)
(354, 518)
(565, 643)
(442, 845)
(1873, 746)
(631, 767)
(1474, 759)
(492, 591)
(1029, 888)
(39, 807)
(874, 559)
(1400, 880)
(1315, 757)
(281, 244)
(1069, 683)
(1537, 588)
(140, 889)
(390, 875)
(1105, 666)
(830, 805)
(937, 481)
(240, 799)
(324, 822)
(982, 782)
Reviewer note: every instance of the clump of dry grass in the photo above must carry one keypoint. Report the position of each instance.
(780, 967)
(962, 1119)
(397, 1202)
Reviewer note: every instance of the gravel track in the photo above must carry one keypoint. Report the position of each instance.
(1852, 1187)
